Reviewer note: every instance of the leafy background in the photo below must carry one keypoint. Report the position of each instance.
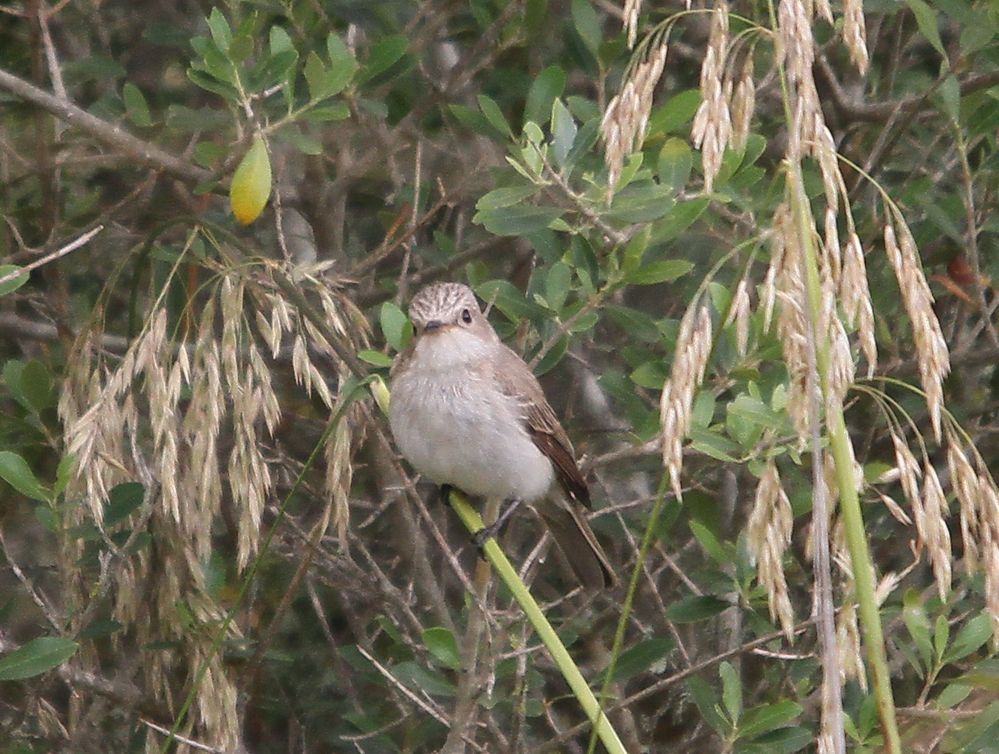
(412, 143)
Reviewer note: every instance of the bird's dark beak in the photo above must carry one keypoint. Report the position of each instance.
(432, 325)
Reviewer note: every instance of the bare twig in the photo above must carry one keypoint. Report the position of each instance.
(58, 253)
(107, 133)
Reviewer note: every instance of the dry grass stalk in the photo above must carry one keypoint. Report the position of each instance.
(712, 127)
(768, 534)
(693, 347)
(931, 348)
(623, 125)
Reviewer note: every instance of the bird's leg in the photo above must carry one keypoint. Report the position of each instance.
(496, 527)
(445, 493)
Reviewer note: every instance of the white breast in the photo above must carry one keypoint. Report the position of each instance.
(457, 428)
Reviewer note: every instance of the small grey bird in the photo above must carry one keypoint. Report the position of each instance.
(466, 411)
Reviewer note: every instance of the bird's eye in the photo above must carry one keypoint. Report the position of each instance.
(466, 316)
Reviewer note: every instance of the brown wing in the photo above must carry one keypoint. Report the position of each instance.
(515, 378)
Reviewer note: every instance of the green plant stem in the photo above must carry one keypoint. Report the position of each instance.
(473, 522)
(852, 516)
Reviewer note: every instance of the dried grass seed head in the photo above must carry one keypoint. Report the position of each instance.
(626, 118)
(690, 360)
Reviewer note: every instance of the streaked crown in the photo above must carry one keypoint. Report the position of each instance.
(443, 303)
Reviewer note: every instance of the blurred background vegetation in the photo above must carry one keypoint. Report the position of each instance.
(204, 525)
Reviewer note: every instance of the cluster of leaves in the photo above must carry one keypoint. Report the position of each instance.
(366, 121)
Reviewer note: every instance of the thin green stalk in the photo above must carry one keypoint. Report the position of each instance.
(853, 519)
(491, 549)
(629, 598)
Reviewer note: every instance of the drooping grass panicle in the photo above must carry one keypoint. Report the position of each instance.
(627, 115)
(711, 131)
(630, 13)
(931, 347)
(768, 535)
(690, 360)
(855, 298)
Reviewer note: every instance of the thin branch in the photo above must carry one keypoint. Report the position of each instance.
(58, 253)
(107, 133)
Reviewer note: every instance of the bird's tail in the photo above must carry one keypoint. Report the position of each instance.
(576, 540)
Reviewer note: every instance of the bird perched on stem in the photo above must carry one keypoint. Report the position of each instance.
(467, 412)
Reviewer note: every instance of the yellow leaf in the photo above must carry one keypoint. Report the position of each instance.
(251, 183)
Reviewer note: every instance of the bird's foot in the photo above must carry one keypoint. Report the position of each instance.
(444, 493)
(496, 527)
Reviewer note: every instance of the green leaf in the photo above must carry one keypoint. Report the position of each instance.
(916, 621)
(557, 285)
(950, 97)
(587, 24)
(36, 657)
(505, 197)
(644, 656)
(650, 375)
(675, 113)
(941, 633)
(278, 40)
(64, 473)
(640, 203)
(16, 472)
(375, 358)
(714, 445)
(327, 113)
(395, 326)
(760, 720)
(517, 221)
(509, 299)
(493, 115)
(755, 411)
(695, 608)
(662, 271)
(440, 642)
(711, 544)
(707, 704)
(301, 141)
(926, 19)
(972, 636)
(203, 119)
(15, 282)
(563, 132)
(731, 691)
(219, 27)
(123, 500)
(472, 119)
(553, 356)
(384, 54)
(675, 163)
(135, 105)
(422, 680)
(680, 217)
(549, 84)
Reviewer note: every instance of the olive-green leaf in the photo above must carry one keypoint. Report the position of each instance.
(36, 657)
(16, 472)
